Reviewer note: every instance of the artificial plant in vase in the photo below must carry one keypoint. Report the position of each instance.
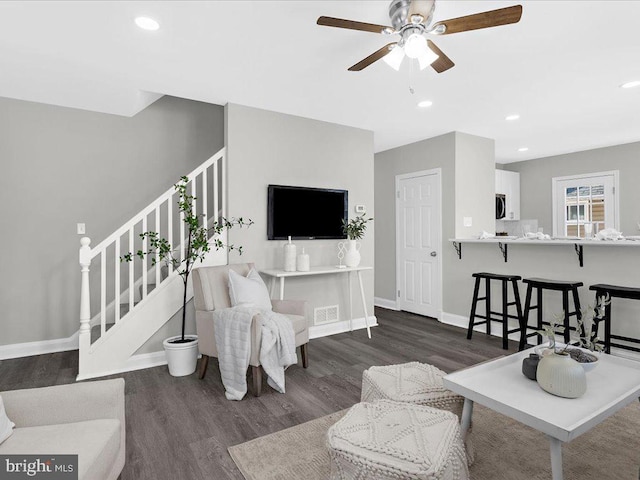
(587, 327)
(198, 244)
(562, 369)
(354, 230)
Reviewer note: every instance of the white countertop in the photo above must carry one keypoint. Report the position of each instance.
(630, 242)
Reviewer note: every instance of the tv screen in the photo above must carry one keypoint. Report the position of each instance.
(306, 213)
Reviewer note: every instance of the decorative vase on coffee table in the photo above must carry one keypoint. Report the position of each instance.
(352, 257)
(561, 375)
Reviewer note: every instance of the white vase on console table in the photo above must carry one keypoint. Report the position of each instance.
(289, 256)
(352, 257)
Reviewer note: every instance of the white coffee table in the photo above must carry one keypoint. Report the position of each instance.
(500, 385)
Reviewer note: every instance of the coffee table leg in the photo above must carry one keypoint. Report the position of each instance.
(465, 422)
(556, 458)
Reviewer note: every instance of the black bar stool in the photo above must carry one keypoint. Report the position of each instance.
(541, 284)
(504, 315)
(612, 291)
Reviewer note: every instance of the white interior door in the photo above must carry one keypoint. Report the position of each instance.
(418, 243)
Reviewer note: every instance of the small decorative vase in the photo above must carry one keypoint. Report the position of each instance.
(302, 263)
(289, 257)
(561, 375)
(352, 257)
(530, 366)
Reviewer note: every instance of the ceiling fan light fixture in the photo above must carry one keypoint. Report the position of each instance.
(427, 58)
(394, 58)
(415, 45)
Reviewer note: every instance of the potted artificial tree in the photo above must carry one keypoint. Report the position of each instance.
(182, 350)
(354, 230)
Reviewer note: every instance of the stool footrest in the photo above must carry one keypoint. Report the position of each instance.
(508, 315)
(494, 319)
(626, 339)
(626, 347)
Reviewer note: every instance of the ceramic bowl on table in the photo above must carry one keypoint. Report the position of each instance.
(544, 349)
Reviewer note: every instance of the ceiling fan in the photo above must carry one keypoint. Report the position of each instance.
(411, 19)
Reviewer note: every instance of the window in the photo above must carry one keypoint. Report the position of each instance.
(585, 204)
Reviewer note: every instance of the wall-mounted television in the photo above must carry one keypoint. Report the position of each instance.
(306, 213)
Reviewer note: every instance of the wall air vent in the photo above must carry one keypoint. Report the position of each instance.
(328, 314)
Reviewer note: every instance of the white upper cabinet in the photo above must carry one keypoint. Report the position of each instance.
(508, 183)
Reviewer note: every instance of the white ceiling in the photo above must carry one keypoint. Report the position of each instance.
(559, 68)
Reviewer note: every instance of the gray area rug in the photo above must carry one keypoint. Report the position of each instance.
(504, 450)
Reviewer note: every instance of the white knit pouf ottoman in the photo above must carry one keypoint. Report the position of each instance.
(413, 382)
(416, 383)
(392, 440)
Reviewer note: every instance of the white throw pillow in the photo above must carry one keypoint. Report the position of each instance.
(6, 425)
(249, 291)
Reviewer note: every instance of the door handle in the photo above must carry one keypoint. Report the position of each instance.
(433, 254)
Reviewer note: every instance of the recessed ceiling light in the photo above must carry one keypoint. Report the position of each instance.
(515, 116)
(425, 103)
(147, 23)
(635, 83)
(523, 149)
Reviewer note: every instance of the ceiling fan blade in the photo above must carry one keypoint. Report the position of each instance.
(420, 7)
(352, 25)
(375, 56)
(493, 18)
(443, 63)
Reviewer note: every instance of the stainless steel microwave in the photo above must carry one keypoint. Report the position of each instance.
(501, 206)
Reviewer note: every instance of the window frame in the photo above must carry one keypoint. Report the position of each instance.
(555, 191)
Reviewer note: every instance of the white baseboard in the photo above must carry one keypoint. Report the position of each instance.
(342, 326)
(463, 322)
(496, 327)
(28, 349)
(135, 362)
(385, 303)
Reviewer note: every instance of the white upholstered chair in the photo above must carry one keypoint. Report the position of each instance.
(211, 292)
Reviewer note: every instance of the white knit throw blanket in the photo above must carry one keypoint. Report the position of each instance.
(233, 341)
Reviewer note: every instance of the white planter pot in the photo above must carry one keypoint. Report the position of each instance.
(182, 358)
(562, 376)
(352, 257)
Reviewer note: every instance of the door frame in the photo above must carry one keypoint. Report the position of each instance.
(422, 173)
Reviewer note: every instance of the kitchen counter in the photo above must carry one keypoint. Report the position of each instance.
(577, 243)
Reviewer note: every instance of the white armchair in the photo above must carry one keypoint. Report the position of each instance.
(211, 291)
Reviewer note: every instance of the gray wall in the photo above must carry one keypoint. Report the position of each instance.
(438, 152)
(602, 264)
(267, 147)
(536, 175)
(468, 189)
(62, 166)
(615, 265)
(475, 184)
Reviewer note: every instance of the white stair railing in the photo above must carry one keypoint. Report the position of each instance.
(207, 184)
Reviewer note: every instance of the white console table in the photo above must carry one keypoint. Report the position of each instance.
(281, 274)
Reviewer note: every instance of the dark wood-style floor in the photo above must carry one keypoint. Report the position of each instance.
(180, 428)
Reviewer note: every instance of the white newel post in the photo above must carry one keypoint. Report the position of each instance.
(84, 339)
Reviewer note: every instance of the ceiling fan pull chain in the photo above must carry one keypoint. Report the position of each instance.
(411, 90)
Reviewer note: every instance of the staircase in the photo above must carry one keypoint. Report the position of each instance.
(123, 304)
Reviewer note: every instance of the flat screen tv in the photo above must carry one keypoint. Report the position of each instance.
(306, 213)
